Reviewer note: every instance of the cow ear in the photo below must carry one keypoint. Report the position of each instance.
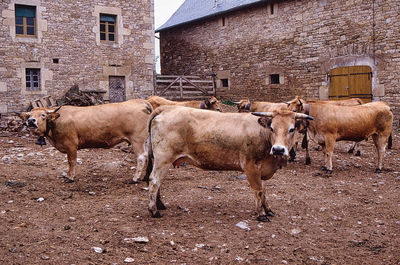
(207, 102)
(265, 122)
(53, 116)
(23, 115)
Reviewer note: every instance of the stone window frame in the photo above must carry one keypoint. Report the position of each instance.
(223, 74)
(119, 27)
(223, 21)
(272, 9)
(106, 32)
(274, 72)
(8, 15)
(32, 72)
(45, 75)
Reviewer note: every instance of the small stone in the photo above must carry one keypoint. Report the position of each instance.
(139, 239)
(72, 219)
(45, 257)
(129, 260)
(295, 231)
(67, 227)
(40, 199)
(97, 249)
(92, 193)
(9, 202)
(243, 225)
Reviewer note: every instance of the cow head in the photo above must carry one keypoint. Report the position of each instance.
(281, 126)
(297, 104)
(212, 104)
(243, 105)
(39, 119)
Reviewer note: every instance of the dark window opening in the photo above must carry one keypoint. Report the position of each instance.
(223, 21)
(108, 27)
(55, 60)
(25, 21)
(32, 76)
(225, 82)
(274, 79)
(272, 8)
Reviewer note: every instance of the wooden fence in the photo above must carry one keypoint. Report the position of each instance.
(184, 87)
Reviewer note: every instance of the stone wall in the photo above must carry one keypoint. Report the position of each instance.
(68, 50)
(301, 42)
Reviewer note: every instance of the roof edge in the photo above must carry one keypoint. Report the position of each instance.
(160, 29)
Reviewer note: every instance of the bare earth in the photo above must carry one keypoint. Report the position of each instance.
(350, 217)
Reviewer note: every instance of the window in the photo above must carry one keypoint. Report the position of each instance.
(223, 21)
(108, 27)
(225, 82)
(272, 9)
(32, 79)
(25, 21)
(274, 79)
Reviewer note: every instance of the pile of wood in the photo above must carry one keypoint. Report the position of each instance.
(76, 97)
(11, 123)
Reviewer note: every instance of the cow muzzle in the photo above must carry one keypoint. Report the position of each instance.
(279, 150)
(32, 123)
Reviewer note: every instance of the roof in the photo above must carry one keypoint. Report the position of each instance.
(194, 10)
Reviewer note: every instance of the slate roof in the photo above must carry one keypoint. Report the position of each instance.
(193, 10)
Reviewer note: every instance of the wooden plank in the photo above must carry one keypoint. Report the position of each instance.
(175, 76)
(162, 92)
(205, 92)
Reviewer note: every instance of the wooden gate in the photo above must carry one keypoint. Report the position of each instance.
(351, 82)
(117, 89)
(184, 87)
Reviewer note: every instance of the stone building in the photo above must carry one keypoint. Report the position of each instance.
(273, 50)
(47, 46)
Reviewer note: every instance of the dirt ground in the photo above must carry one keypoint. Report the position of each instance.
(349, 217)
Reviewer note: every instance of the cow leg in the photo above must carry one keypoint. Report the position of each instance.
(71, 155)
(261, 204)
(141, 161)
(329, 146)
(380, 144)
(159, 171)
(356, 148)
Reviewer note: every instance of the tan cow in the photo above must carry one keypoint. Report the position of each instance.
(220, 141)
(246, 105)
(344, 102)
(70, 128)
(208, 104)
(350, 123)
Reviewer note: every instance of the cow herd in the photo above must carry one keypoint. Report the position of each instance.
(256, 141)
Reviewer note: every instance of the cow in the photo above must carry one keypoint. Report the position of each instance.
(246, 105)
(344, 102)
(70, 128)
(220, 141)
(208, 104)
(349, 123)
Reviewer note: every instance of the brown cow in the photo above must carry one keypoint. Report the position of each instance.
(350, 123)
(246, 105)
(344, 102)
(70, 128)
(220, 141)
(208, 104)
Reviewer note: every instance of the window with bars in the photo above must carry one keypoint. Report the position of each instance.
(25, 21)
(32, 78)
(108, 30)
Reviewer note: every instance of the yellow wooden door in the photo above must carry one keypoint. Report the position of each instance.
(351, 82)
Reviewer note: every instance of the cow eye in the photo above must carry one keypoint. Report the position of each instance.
(43, 115)
(291, 130)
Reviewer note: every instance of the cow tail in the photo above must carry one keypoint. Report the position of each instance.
(148, 146)
(390, 141)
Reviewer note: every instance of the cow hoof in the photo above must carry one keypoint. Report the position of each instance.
(329, 172)
(358, 153)
(67, 180)
(263, 218)
(378, 170)
(161, 205)
(156, 215)
(308, 161)
(270, 213)
(323, 168)
(350, 151)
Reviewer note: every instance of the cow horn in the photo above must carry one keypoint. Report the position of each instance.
(17, 113)
(236, 102)
(263, 114)
(303, 116)
(54, 111)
